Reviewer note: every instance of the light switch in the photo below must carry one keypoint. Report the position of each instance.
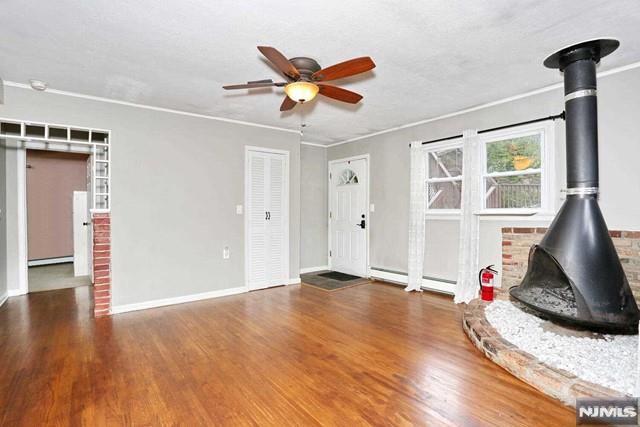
(226, 253)
(372, 207)
(239, 209)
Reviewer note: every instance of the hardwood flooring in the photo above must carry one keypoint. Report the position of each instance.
(295, 355)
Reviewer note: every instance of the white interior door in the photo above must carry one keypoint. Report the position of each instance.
(267, 219)
(80, 234)
(348, 216)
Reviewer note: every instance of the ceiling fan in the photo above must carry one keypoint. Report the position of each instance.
(305, 78)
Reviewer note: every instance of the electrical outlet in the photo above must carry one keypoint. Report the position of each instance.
(226, 254)
(239, 209)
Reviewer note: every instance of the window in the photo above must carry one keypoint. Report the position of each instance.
(514, 175)
(444, 177)
(348, 177)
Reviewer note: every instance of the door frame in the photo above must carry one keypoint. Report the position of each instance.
(330, 163)
(285, 210)
(22, 210)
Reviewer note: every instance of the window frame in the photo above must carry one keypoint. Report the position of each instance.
(546, 170)
(427, 150)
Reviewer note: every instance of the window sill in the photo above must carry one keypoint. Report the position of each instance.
(520, 212)
(515, 214)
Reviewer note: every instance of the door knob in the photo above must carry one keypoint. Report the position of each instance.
(86, 223)
(362, 224)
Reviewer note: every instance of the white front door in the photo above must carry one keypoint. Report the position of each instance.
(80, 234)
(348, 216)
(267, 219)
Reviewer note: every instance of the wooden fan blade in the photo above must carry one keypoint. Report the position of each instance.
(280, 61)
(255, 84)
(344, 69)
(287, 104)
(339, 93)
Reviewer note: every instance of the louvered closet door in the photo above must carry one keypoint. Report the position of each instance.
(257, 227)
(275, 222)
(266, 245)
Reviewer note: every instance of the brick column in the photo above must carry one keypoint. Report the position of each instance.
(101, 263)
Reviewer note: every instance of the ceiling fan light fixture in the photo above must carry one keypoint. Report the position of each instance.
(301, 91)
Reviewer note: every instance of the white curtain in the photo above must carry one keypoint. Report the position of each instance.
(417, 208)
(467, 283)
(638, 366)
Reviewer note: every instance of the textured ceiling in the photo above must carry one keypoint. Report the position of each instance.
(433, 57)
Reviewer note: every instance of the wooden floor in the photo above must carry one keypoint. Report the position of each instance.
(367, 355)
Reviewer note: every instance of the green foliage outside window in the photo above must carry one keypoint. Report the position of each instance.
(513, 155)
(501, 154)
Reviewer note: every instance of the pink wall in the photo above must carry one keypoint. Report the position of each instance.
(52, 177)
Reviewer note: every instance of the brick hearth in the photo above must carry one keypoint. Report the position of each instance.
(556, 383)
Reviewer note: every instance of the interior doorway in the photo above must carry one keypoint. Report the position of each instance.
(20, 136)
(349, 215)
(58, 232)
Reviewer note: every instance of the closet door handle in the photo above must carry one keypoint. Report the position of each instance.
(266, 215)
(269, 216)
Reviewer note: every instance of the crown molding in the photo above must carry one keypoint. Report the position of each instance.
(150, 107)
(358, 138)
(313, 144)
(483, 106)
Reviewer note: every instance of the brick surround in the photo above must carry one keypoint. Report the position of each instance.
(101, 263)
(516, 243)
(557, 383)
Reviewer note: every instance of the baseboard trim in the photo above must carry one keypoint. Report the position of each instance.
(49, 261)
(177, 300)
(4, 298)
(313, 269)
(15, 292)
(428, 284)
(294, 281)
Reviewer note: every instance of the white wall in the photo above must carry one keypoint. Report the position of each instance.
(441, 249)
(176, 181)
(313, 207)
(619, 109)
(3, 224)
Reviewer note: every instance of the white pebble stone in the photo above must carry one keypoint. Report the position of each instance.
(607, 360)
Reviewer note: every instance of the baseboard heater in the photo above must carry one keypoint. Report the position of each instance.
(49, 261)
(429, 283)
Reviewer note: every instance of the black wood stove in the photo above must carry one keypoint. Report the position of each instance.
(574, 275)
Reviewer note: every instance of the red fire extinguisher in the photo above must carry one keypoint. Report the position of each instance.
(486, 282)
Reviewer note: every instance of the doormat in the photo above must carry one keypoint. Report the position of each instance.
(321, 281)
(336, 275)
